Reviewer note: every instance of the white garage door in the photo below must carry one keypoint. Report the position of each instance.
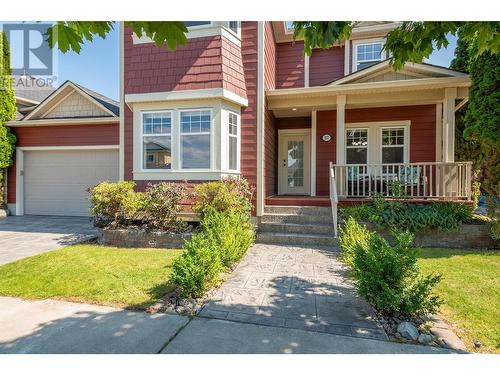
(56, 182)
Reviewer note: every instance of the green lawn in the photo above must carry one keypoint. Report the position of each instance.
(470, 288)
(93, 274)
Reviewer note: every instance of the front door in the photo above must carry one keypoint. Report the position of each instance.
(294, 163)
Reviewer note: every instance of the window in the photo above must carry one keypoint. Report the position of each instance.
(368, 54)
(393, 145)
(195, 139)
(157, 140)
(233, 141)
(289, 27)
(356, 146)
(197, 23)
(234, 26)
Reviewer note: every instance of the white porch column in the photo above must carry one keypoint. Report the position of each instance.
(341, 100)
(313, 153)
(449, 124)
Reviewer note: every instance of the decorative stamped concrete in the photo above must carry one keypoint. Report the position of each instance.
(294, 287)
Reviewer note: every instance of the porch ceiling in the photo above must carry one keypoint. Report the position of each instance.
(301, 101)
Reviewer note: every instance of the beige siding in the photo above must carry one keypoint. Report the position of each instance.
(75, 105)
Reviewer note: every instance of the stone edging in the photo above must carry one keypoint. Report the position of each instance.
(142, 238)
(3, 213)
(467, 236)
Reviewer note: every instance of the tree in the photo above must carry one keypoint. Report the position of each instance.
(7, 113)
(477, 129)
(411, 41)
(71, 35)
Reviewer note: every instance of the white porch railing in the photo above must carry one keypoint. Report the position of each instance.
(437, 180)
(333, 198)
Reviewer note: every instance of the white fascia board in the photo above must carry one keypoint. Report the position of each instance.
(62, 122)
(168, 96)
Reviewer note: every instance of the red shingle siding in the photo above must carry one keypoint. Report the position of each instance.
(326, 65)
(232, 68)
(326, 123)
(249, 43)
(203, 63)
(74, 135)
(270, 154)
(289, 65)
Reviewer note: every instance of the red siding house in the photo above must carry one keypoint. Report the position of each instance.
(241, 99)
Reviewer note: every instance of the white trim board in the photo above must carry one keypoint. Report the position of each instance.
(182, 95)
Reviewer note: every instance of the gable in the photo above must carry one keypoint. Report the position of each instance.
(383, 72)
(75, 105)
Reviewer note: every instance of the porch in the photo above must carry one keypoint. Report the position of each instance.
(391, 136)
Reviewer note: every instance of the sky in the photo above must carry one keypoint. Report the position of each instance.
(97, 65)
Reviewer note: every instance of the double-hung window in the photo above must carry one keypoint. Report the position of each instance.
(356, 151)
(157, 140)
(233, 141)
(195, 134)
(368, 54)
(393, 145)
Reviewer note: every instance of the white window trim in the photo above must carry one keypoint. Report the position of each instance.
(236, 33)
(356, 43)
(406, 146)
(374, 154)
(238, 140)
(172, 140)
(211, 134)
(368, 148)
(287, 29)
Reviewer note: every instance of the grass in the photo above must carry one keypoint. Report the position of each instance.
(470, 288)
(90, 273)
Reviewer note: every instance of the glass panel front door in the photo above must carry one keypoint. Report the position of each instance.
(294, 164)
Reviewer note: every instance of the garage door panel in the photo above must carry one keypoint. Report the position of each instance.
(56, 182)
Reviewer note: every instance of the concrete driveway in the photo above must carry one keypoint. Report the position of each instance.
(24, 236)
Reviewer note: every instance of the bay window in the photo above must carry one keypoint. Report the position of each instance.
(233, 141)
(195, 133)
(157, 140)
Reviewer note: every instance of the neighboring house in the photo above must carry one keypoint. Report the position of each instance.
(65, 144)
(241, 99)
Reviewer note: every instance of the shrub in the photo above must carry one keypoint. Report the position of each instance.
(199, 267)
(233, 233)
(388, 276)
(114, 203)
(414, 217)
(224, 236)
(230, 194)
(163, 205)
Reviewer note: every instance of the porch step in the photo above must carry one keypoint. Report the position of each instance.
(326, 229)
(297, 219)
(296, 239)
(298, 210)
(296, 225)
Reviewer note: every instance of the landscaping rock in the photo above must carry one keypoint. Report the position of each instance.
(424, 338)
(3, 213)
(477, 344)
(408, 330)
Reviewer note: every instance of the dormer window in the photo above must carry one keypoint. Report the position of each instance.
(367, 53)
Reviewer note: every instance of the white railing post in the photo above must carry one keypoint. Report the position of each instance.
(333, 198)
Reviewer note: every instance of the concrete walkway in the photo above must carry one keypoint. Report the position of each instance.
(294, 287)
(63, 327)
(24, 236)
